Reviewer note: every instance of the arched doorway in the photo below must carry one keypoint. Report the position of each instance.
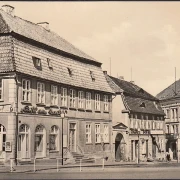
(40, 141)
(119, 147)
(24, 141)
(2, 142)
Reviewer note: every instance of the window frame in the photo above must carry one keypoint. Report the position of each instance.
(26, 90)
(72, 96)
(41, 93)
(54, 96)
(56, 134)
(97, 101)
(97, 133)
(1, 89)
(106, 134)
(81, 99)
(64, 97)
(106, 103)
(88, 101)
(88, 132)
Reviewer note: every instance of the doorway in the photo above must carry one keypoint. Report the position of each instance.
(119, 147)
(2, 142)
(72, 137)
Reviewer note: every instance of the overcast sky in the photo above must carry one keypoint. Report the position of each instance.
(141, 35)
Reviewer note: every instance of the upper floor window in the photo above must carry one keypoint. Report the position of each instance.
(70, 71)
(26, 90)
(88, 133)
(97, 133)
(40, 92)
(106, 133)
(50, 65)
(106, 103)
(97, 102)
(153, 125)
(88, 100)
(168, 113)
(64, 97)
(72, 98)
(54, 95)
(37, 62)
(92, 75)
(1, 89)
(80, 99)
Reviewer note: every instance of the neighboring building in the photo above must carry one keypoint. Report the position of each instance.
(170, 102)
(42, 76)
(137, 119)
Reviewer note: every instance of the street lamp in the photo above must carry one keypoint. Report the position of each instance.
(138, 146)
(62, 115)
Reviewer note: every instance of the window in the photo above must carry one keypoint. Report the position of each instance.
(50, 65)
(40, 92)
(106, 103)
(97, 102)
(88, 133)
(131, 122)
(54, 95)
(92, 75)
(26, 91)
(97, 133)
(142, 124)
(144, 147)
(153, 125)
(136, 123)
(37, 62)
(143, 105)
(2, 137)
(88, 100)
(106, 133)
(64, 97)
(39, 138)
(72, 98)
(70, 71)
(168, 113)
(54, 139)
(167, 129)
(80, 99)
(1, 89)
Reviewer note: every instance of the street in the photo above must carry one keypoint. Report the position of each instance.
(98, 173)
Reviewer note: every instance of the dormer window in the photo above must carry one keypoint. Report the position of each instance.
(70, 70)
(50, 65)
(92, 75)
(143, 105)
(37, 62)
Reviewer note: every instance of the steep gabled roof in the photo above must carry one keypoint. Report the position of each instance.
(39, 34)
(135, 98)
(169, 92)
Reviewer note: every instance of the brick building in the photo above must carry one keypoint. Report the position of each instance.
(42, 78)
(170, 103)
(138, 122)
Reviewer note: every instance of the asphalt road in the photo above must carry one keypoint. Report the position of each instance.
(98, 173)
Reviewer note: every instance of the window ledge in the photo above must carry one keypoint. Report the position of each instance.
(53, 106)
(1, 100)
(89, 143)
(106, 112)
(81, 109)
(53, 151)
(88, 110)
(40, 104)
(72, 108)
(97, 143)
(97, 111)
(63, 107)
(26, 102)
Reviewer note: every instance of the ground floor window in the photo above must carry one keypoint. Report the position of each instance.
(39, 138)
(54, 139)
(2, 137)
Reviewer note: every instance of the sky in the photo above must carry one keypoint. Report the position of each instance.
(142, 36)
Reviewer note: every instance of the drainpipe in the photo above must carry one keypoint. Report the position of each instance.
(16, 133)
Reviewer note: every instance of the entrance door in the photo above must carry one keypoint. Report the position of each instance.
(153, 147)
(72, 137)
(2, 142)
(119, 147)
(24, 143)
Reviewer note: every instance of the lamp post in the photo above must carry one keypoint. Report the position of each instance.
(62, 115)
(138, 146)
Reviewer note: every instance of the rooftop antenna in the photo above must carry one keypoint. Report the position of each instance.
(110, 66)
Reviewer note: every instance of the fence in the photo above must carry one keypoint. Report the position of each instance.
(33, 167)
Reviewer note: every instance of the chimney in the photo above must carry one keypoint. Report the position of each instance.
(8, 9)
(132, 82)
(44, 25)
(105, 72)
(121, 77)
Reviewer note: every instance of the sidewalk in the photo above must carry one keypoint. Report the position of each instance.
(53, 167)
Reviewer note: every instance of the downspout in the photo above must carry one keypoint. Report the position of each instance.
(16, 139)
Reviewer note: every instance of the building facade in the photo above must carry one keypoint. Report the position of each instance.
(50, 92)
(138, 123)
(170, 102)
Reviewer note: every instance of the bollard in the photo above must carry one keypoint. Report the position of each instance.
(57, 164)
(34, 164)
(80, 166)
(11, 163)
(103, 164)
